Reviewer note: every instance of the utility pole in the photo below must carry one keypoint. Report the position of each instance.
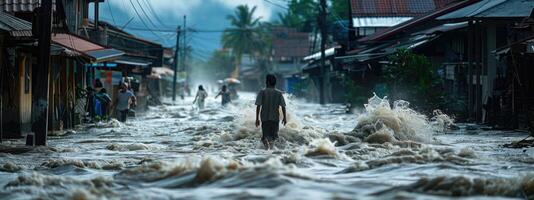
(351, 27)
(184, 49)
(176, 63)
(97, 14)
(41, 75)
(324, 70)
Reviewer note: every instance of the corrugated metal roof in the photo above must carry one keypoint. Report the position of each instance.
(76, 43)
(94, 52)
(14, 26)
(493, 9)
(378, 21)
(443, 28)
(19, 5)
(416, 21)
(411, 8)
(105, 54)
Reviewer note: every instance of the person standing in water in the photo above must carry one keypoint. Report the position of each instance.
(105, 101)
(268, 103)
(125, 99)
(201, 97)
(225, 95)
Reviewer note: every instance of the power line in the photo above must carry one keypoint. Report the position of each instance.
(152, 10)
(276, 4)
(142, 20)
(146, 15)
(111, 13)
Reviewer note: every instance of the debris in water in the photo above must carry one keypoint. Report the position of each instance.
(127, 147)
(322, 147)
(10, 167)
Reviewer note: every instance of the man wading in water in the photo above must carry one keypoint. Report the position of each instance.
(268, 102)
(125, 98)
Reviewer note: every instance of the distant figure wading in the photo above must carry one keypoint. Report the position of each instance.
(225, 95)
(268, 103)
(201, 97)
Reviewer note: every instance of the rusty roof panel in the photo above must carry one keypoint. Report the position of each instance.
(388, 8)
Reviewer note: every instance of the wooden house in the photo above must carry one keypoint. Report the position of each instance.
(16, 62)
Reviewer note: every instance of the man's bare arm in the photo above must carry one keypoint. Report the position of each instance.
(284, 121)
(258, 108)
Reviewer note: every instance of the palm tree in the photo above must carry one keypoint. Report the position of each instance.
(245, 36)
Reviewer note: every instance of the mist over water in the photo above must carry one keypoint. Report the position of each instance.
(388, 151)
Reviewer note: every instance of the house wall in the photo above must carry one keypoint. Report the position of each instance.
(16, 100)
(25, 91)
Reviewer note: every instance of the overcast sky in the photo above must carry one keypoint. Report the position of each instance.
(201, 14)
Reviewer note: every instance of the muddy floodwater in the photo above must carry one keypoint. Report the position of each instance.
(176, 152)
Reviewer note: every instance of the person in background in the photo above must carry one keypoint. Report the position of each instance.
(98, 84)
(105, 102)
(225, 95)
(90, 105)
(268, 103)
(201, 97)
(125, 99)
(188, 90)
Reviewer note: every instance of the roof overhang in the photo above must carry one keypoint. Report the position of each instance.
(85, 48)
(378, 21)
(492, 9)
(315, 56)
(133, 61)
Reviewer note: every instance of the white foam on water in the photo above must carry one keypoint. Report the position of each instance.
(397, 120)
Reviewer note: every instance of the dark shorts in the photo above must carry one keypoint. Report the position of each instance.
(123, 114)
(270, 130)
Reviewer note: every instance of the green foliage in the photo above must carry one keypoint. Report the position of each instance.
(246, 34)
(411, 77)
(301, 14)
(340, 8)
(356, 95)
(221, 64)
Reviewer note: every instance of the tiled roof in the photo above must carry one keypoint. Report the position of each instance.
(14, 26)
(405, 8)
(288, 42)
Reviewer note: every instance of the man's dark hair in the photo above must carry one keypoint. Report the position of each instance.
(270, 80)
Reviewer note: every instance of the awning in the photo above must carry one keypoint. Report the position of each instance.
(133, 61)
(105, 54)
(93, 52)
(378, 21)
(327, 52)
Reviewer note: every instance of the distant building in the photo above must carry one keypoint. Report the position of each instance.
(289, 49)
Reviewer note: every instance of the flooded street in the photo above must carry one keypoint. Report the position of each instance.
(177, 152)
